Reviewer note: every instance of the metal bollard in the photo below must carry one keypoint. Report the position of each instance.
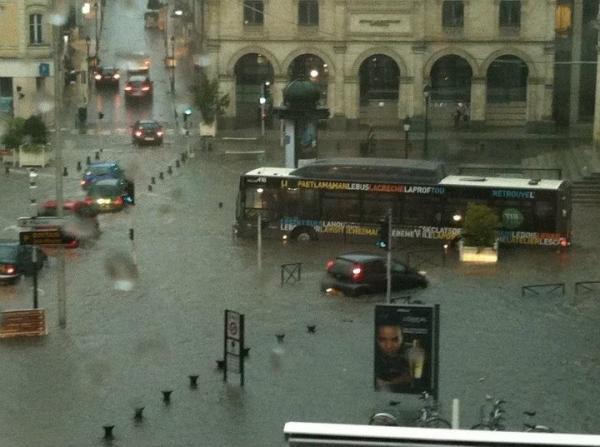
(193, 381)
(108, 431)
(88, 160)
(167, 397)
(65, 172)
(169, 170)
(161, 176)
(97, 155)
(150, 188)
(139, 414)
(177, 164)
(153, 180)
(78, 166)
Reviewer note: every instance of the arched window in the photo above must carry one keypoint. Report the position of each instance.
(510, 13)
(35, 29)
(453, 14)
(308, 13)
(254, 12)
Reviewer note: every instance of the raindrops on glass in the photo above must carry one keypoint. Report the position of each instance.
(164, 208)
(201, 60)
(122, 270)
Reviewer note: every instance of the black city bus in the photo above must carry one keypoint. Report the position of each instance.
(350, 196)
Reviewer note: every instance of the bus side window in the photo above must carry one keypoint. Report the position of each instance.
(341, 206)
(375, 206)
(300, 203)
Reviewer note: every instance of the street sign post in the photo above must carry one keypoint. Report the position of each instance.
(52, 236)
(233, 352)
(36, 221)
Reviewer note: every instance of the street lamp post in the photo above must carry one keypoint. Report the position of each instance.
(172, 64)
(426, 95)
(263, 102)
(406, 126)
(88, 42)
(96, 27)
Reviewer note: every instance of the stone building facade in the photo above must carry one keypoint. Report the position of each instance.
(26, 67)
(375, 59)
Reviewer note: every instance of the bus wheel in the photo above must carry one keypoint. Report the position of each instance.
(304, 234)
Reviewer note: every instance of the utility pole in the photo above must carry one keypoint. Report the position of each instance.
(388, 291)
(596, 129)
(60, 276)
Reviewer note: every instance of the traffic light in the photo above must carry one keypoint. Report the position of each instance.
(186, 114)
(383, 234)
(130, 192)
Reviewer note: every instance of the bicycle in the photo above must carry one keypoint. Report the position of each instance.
(535, 427)
(494, 419)
(429, 415)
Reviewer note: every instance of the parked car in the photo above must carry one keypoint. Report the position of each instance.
(147, 131)
(107, 76)
(355, 274)
(110, 194)
(138, 86)
(17, 260)
(81, 218)
(100, 170)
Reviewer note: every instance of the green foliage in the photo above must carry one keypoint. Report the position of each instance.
(207, 98)
(36, 128)
(479, 229)
(14, 136)
(22, 131)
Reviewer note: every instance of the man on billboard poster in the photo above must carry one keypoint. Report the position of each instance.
(405, 348)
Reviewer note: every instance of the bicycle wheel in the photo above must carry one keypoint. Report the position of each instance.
(437, 423)
(383, 419)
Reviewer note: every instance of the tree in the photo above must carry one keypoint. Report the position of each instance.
(36, 128)
(481, 223)
(208, 99)
(14, 136)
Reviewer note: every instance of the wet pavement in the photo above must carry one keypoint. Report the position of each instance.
(121, 349)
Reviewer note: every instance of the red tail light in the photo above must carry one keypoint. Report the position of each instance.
(119, 201)
(330, 264)
(8, 269)
(564, 242)
(88, 200)
(357, 273)
(73, 243)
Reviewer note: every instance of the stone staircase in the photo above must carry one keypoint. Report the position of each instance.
(587, 190)
(578, 164)
(505, 114)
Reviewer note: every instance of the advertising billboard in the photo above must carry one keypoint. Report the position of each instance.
(406, 348)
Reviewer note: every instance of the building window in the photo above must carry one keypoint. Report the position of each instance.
(453, 14)
(308, 13)
(253, 12)
(510, 13)
(35, 29)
